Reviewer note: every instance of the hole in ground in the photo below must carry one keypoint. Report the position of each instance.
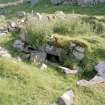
(53, 58)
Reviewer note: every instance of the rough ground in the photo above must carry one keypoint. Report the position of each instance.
(21, 83)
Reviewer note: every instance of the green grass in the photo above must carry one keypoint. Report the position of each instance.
(37, 33)
(6, 1)
(44, 6)
(86, 31)
(23, 84)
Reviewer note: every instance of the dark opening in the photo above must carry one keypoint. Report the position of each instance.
(53, 58)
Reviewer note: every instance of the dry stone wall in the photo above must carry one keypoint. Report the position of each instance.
(84, 2)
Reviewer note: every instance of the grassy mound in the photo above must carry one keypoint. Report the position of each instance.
(87, 32)
(22, 84)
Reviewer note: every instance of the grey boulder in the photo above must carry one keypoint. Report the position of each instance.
(38, 57)
(92, 82)
(56, 2)
(100, 68)
(18, 44)
(67, 98)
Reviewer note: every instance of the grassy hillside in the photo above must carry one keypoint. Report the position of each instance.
(22, 83)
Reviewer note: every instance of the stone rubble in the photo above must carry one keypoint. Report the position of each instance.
(99, 78)
(96, 80)
(84, 3)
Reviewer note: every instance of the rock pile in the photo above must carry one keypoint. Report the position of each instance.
(52, 48)
(96, 80)
(99, 78)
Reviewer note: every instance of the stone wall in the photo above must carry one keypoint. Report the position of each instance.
(84, 2)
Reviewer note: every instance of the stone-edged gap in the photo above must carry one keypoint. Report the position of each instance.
(52, 58)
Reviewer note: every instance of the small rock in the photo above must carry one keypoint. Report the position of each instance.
(38, 15)
(43, 66)
(56, 2)
(68, 71)
(83, 82)
(21, 14)
(60, 14)
(78, 55)
(18, 44)
(77, 51)
(3, 30)
(72, 45)
(38, 57)
(19, 59)
(92, 82)
(2, 34)
(100, 68)
(13, 24)
(4, 53)
(80, 49)
(67, 98)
